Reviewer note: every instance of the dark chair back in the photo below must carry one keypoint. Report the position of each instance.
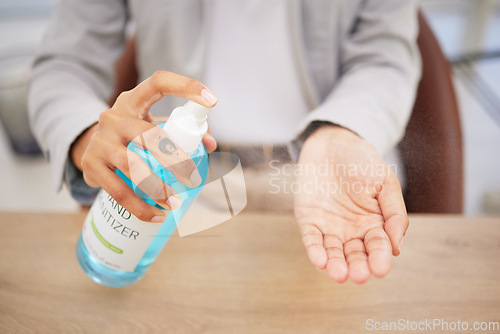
(432, 146)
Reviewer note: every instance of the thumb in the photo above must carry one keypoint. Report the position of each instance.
(393, 208)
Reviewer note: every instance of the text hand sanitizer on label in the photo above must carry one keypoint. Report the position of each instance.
(115, 247)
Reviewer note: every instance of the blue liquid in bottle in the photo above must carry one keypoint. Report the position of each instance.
(105, 275)
(116, 278)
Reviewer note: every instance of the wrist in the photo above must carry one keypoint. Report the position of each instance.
(80, 145)
(332, 132)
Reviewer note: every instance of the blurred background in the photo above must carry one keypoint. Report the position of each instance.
(469, 34)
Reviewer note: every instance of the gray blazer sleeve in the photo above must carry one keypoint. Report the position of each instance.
(380, 70)
(72, 75)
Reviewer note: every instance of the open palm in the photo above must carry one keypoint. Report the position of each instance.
(350, 208)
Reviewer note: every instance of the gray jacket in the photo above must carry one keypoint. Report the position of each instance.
(358, 61)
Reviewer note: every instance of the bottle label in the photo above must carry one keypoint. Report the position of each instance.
(114, 236)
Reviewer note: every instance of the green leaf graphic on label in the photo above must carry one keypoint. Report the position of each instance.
(104, 241)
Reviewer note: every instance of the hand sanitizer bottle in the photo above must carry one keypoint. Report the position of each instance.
(115, 248)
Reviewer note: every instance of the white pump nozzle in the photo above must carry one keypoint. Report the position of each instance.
(187, 125)
(198, 111)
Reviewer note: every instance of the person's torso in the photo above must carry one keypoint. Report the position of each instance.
(303, 43)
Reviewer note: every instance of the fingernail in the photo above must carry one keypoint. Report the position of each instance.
(208, 96)
(195, 178)
(401, 243)
(158, 219)
(173, 202)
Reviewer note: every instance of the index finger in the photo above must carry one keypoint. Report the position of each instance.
(140, 99)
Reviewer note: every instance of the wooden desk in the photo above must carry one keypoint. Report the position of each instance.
(249, 275)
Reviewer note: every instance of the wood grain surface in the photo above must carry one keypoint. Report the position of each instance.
(248, 275)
